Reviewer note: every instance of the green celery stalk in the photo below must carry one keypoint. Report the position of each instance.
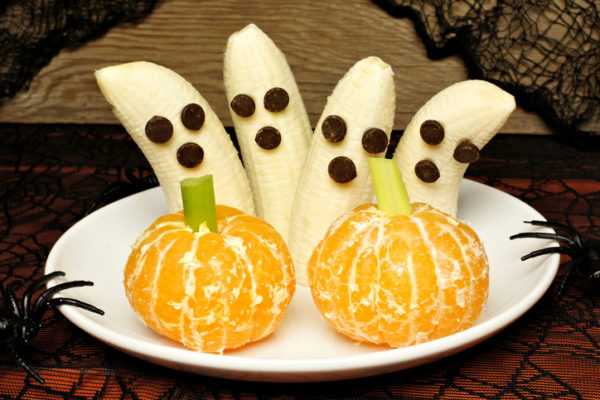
(199, 207)
(390, 191)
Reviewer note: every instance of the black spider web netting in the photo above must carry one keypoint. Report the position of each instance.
(546, 52)
(34, 31)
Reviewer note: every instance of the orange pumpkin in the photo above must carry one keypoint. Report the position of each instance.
(399, 280)
(210, 291)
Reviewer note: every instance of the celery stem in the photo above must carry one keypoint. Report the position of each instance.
(198, 195)
(390, 191)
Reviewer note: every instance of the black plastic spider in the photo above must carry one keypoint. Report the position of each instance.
(117, 190)
(585, 254)
(21, 319)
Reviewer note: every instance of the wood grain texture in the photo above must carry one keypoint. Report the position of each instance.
(320, 39)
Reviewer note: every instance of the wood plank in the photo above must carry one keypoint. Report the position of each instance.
(320, 39)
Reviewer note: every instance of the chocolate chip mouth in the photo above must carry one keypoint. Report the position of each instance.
(342, 169)
(427, 171)
(190, 155)
(268, 138)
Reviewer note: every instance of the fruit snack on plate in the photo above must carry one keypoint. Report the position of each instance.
(176, 129)
(270, 121)
(210, 277)
(355, 124)
(398, 274)
(445, 136)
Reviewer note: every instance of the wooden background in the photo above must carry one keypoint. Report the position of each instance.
(321, 40)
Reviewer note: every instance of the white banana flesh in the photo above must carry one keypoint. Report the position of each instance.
(445, 136)
(179, 141)
(270, 121)
(364, 101)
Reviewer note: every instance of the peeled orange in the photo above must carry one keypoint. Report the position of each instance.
(399, 280)
(210, 291)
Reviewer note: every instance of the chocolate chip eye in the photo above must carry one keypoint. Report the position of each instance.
(190, 155)
(243, 105)
(466, 152)
(276, 99)
(342, 169)
(192, 116)
(159, 129)
(427, 171)
(374, 141)
(268, 138)
(432, 132)
(334, 129)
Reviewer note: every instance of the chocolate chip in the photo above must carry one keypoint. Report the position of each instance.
(342, 169)
(432, 132)
(192, 116)
(243, 105)
(427, 171)
(374, 141)
(466, 152)
(334, 129)
(268, 138)
(159, 129)
(190, 155)
(276, 99)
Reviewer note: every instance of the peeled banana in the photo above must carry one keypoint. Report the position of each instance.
(177, 131)
(270, 120)
(355, 124)
(445, 136)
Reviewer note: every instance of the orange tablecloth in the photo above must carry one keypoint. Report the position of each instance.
(50, 175)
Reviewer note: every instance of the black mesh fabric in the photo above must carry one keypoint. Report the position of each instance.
(34, 31)
(546, 52)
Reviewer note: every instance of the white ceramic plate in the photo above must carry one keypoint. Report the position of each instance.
(304, 347)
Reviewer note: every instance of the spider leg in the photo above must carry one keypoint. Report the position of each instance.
(565, 279)
(548, 250)
(152, 181)
(71, 302)
(105, 196)
(543, 235)
(549, 224)
(556, 225)
(147, 181)
(10, 294)
(43, 298)
(12, 350)
(36, 285)
(130, 175)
